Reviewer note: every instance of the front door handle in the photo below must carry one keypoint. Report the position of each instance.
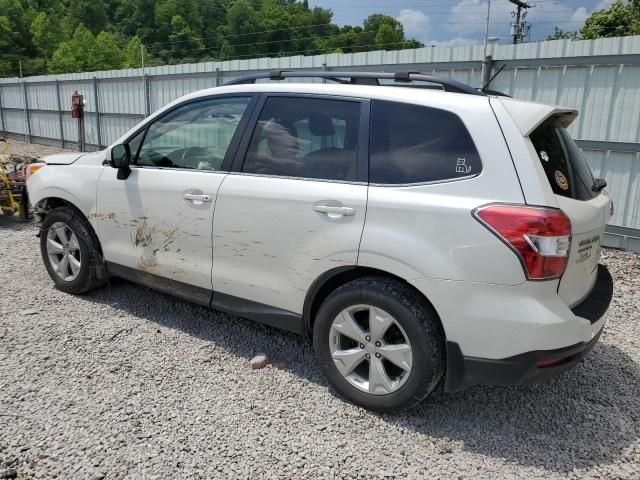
(197, 198)
(335, 211)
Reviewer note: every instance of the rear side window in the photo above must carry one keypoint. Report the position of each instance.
(306, 138)
(414, 144)
(566, 169)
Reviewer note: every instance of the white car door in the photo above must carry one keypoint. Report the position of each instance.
(293, 206)
(158, 220)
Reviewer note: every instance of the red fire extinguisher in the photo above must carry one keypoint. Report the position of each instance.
(77, 105)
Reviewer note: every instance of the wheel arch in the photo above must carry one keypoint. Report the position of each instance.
(322, 287)
(48, 204)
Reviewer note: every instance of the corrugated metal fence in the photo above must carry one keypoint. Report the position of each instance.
(601, 78)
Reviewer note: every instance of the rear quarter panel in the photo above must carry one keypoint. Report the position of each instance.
(427, 231)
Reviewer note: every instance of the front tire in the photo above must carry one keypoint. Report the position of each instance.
(379, 343)
(70, 251)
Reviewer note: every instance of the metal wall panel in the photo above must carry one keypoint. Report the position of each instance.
(121, 96)
(42, 96)
(12, 96)
(44, 124)
(113, 128)
(624, 123)
(14, 121)
(621, 170)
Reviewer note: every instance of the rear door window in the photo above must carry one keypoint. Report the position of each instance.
(306, 138)
(567, 171)
(415, 144)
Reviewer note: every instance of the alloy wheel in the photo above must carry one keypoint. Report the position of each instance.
(370, 349)
(63, 251)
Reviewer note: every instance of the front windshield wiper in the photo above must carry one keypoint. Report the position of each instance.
(598, 184)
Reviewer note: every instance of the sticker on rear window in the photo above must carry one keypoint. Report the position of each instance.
(561, 180)
(462, 167)
(544, 156)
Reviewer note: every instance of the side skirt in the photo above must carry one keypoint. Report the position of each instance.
(266, 314)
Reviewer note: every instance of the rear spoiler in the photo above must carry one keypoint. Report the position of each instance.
(529, 115)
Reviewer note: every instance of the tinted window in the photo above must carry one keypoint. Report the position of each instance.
(305, 137)
(567, 170)
(412, 144)
(195, 136)
(134, 143)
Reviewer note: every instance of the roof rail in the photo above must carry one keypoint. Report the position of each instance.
(360, 78)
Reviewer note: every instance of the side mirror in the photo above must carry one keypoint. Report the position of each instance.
(120, 159)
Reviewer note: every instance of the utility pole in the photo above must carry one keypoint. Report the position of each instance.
(484, 76)
(517, 28)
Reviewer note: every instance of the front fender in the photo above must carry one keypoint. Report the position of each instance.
(75, 184)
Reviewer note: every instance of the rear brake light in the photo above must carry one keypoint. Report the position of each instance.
(541, 237)
(552, 362)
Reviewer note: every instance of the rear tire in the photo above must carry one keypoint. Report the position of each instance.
(71, 252)
(392, 357)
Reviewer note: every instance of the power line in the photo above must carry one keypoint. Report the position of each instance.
(320, 37)
(300, 27)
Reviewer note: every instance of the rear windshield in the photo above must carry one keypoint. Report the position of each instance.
(567, 171)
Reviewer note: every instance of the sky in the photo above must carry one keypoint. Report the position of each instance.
(461, 22)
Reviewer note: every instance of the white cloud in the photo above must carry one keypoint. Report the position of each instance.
(467, 17)
(454, 42)
(416, 23)
(578, 17)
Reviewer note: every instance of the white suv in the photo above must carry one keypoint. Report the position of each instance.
(414, 234)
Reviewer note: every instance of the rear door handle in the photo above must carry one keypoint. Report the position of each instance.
(334, 211)
(196, 198)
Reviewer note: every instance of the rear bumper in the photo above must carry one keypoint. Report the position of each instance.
(464, 371)
(595, 306)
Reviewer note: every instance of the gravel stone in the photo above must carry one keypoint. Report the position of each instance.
(259, 361)
(88, 386)
(8, 473)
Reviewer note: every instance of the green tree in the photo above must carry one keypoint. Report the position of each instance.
(387, 37)
(132, 17)
(5, 32)
(91, 13)
(618, 20)
(560, 34)
(74, 54)
(241, 23)
(18, 32)
(47, 33)
(33, 32)
(133, 54)
(166, 10)
(185, 44)
(105, 54)
(388, 33)
(213, 14)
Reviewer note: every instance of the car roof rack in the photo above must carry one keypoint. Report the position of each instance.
(362, 78)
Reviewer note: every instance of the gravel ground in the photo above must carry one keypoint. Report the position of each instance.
(23, 149)
(129, 383)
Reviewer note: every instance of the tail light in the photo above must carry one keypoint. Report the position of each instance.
(541, 237)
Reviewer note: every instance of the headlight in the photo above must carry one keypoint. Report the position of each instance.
(33, 168)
